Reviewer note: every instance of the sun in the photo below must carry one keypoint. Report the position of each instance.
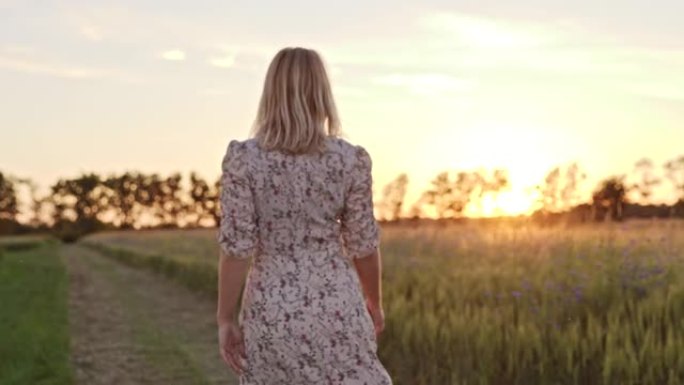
(506, 203)
(521, 151)
(525, 151)
(514, 203)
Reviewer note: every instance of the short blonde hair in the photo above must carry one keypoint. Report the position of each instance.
(297, 110)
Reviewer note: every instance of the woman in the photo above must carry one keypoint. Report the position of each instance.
(296, 201)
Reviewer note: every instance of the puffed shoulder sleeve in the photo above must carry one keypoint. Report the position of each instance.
(360, 230)
(237, 230)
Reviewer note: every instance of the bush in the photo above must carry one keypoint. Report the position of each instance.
(71, 231)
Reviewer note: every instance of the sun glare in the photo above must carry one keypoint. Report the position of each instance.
(522, 151)
(515, 203)
(483, 33)
(506, 203)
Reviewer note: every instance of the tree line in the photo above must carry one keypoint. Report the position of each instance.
(91, 202)
(558, 195)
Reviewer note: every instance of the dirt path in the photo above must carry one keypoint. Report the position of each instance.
(131, 327)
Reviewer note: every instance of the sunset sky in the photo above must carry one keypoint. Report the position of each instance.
(425, 86)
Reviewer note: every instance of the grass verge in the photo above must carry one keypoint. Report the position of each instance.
(34, 332)
(197, 276)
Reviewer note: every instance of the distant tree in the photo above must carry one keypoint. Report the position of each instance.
(78, 204)
(393, 198)
(203, 198)
(122, 197)
(154, 199)
(450, 197)
(416, 210)
(674, 170)
(168, 200)
(36, 205)
(574, 176)
(646, 179)
(60, 210)
(609, 198)
(134, 199)
(495, 181)
(216, 210)
(549, 191)
(83, 197)
(490, 182)
(9, 208)
(559, 191)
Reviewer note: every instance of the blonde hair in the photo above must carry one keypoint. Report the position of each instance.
(297, 110)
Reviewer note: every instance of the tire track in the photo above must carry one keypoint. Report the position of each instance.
(129, 326)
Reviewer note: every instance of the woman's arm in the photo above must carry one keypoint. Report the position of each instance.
(369, 268)
(232, 274)
(370, 274)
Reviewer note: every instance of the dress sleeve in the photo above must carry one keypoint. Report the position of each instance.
(237, 231)
(360, 230)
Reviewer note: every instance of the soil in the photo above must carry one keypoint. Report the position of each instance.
(131, 326)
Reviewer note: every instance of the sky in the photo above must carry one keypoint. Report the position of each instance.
(424, 86)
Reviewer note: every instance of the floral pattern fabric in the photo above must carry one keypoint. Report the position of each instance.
(301, 220)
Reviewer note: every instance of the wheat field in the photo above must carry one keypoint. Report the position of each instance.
(499, 303)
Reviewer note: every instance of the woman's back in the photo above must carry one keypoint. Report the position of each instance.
(299, 200)
(302, 218)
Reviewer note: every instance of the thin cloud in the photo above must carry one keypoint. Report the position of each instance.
(426, 82)
(91, 32)
(484, 48)
(251, 58)
(23, 65)
(226, 61)
(132, 25)
(13, 49)
(34, 65)
(84, 24)
(173, 55)
(485, 33)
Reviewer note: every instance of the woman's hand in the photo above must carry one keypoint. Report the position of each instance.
(378, 316)
(232, 274)
(232, 346)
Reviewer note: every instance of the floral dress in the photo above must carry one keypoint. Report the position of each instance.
(301, 219)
